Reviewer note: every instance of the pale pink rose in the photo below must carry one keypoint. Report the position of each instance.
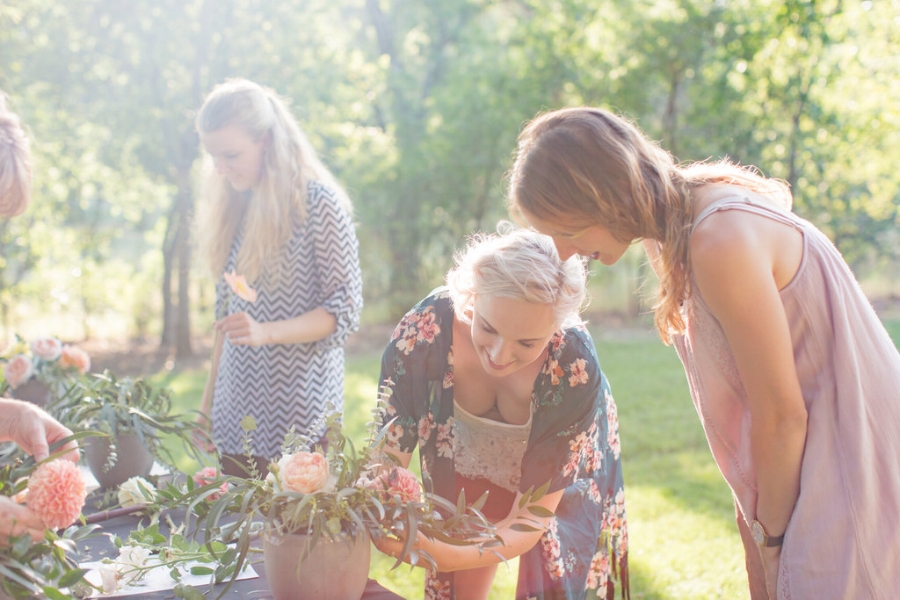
(74, 358)
(304, 472)
(18, 370)
(56, 493)
(208, 475)
(240, 287)
(46, 348)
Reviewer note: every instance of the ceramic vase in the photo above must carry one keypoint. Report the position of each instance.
(33, 391)
(333, 570)
(133, 459)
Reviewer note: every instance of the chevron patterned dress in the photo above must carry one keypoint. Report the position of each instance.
(284, 385)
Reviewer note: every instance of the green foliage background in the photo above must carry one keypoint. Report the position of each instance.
(416, 106)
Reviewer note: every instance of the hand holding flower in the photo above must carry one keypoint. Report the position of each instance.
(242, 330)
(33, 429)
(16, 520)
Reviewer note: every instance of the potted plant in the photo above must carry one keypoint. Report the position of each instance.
(133, 415)
(317, 509)
(41, 370)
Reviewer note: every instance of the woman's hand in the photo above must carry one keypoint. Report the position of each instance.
(34, 430)
(771, 558)
(242, 330)
(16, 519)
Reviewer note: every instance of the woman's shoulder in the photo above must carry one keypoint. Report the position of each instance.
(317, 191)
(576, 338)
(424, 324)
(437, 301)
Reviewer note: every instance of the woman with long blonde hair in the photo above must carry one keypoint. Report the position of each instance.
(276, 216)
(792, 373)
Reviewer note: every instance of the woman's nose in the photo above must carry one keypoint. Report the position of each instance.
(499, 353)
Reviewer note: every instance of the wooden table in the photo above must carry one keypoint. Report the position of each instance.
(101, 546)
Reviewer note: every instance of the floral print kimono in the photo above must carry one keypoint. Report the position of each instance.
(573, 444)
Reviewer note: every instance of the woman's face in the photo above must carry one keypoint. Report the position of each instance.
(510, 334)
(596, 242)
(238, 157)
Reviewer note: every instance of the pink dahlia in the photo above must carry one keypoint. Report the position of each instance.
(399, 481)
(56, 493)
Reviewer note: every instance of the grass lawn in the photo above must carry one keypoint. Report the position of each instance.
(683, 540)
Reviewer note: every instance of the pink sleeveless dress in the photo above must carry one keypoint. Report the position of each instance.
(843, 538)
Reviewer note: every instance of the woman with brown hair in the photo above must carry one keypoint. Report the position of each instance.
(793, 375)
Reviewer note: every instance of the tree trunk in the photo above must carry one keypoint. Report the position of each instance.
(168, 251)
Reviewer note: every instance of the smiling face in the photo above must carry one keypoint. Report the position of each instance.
(238, 157)
(510, 334)
(595, 242)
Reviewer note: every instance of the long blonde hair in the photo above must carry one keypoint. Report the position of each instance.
(277, 203)
(581, 167)
(15, 164)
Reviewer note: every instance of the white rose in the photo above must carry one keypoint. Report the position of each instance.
(136, 491)
(131, 560)
(109, 577)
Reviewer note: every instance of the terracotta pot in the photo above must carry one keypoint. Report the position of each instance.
(33, 391)
(335, 570)
(133, 459)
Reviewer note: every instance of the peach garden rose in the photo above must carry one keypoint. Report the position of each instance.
(18, 370)
(74, 357)
(303, 472)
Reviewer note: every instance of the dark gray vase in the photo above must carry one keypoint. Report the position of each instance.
(335, 570)
(133, 459)
(33, 391)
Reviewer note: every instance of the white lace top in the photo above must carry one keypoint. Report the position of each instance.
(489, 449)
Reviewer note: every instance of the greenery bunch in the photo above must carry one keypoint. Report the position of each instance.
(111, 406)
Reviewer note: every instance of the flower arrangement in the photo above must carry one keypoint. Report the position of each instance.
(115, 407)
(327, 494)
(45, 359)
(55, 491)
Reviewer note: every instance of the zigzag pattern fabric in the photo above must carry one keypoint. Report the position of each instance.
(284, 385)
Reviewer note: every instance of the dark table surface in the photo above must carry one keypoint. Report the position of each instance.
(102, 546)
